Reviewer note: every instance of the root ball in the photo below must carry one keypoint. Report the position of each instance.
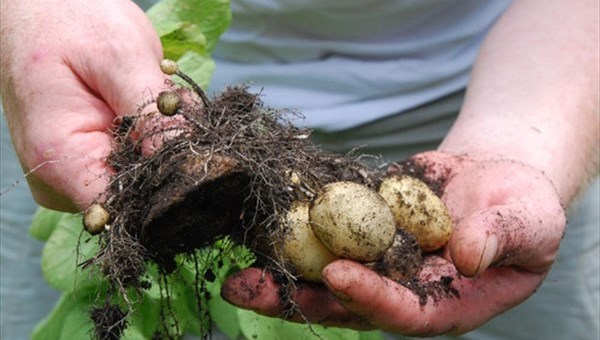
(109, 322)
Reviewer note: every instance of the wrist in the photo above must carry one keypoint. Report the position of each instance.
(547, 147)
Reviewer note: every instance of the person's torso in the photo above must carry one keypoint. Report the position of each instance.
(346, 62)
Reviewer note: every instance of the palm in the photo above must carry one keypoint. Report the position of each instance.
(506, 216)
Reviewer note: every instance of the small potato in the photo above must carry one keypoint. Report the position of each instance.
(352, 221)
(168, 103)
(418, 211)
(301, 247)
(168, 66)
(95, 219)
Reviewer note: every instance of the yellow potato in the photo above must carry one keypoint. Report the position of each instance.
(95, 219)
(417, 210)
(168, 66)
(352, 221)
(301, 247)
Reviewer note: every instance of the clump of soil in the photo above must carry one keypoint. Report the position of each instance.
(230, 167)
(109, 320)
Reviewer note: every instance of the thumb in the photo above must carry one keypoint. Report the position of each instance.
(518, 224)
(131, 86)
(504, 235)
(125, 83)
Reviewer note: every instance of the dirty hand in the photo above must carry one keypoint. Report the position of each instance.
(508, 226)
(68, 69)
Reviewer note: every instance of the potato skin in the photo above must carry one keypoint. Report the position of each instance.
(168, 103)
(417, 210)
(352, 221)
(301, 247)
(95, 218)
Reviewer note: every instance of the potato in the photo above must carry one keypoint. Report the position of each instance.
(168, 103)
(417, 210)
(352, 221)
(95, 219)
(301, 247)
(169, 67)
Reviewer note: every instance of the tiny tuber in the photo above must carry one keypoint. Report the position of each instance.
(168, 103)
(95, 218)
(169, 67)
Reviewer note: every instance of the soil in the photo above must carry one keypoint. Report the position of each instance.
(109, 320)
(232, 170)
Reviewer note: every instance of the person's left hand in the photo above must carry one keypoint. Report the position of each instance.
(508, 226)
(69, 70)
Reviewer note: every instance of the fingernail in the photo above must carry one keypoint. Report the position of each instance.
(489, 253)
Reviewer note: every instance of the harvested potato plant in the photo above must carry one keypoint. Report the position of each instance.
(235, 169)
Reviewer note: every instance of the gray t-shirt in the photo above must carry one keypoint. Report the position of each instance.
(347, 62)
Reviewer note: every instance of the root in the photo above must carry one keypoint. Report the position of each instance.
(230, 168)
(109, 321)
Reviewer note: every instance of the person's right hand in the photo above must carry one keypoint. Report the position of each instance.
(68, 69)
(508, 224)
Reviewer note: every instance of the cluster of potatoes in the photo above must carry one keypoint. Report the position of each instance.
(349, 220)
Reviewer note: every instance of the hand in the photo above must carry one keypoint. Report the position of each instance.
(508, 226)
(68, 69)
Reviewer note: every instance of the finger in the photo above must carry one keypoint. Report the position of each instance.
(69, 177)
(395, 308)
(255, 289)
(515, 220)
(120, 61)
(61, 135)
(432, 167)
(129, 77)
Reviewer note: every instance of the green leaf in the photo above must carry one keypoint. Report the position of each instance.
(133, 332)
(77, 325)
(187, 38)
(225, 316)
(198, 67)
(189, 31)
(255, 326)
(371, 335)
(145, 320)
(70, 319)
(44, 222)
(190, 23)
(64, 250)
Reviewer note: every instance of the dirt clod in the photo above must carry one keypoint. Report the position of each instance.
(109, 322)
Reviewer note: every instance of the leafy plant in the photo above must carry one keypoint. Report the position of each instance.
(67, 245)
